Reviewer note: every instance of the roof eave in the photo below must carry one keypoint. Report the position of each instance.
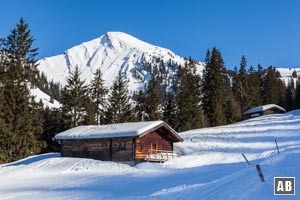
(163, 124)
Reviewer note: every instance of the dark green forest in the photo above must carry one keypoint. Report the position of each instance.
(218, 97)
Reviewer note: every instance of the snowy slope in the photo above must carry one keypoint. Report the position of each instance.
(211, 167)
(45, 98)
(287, 72)
(286, 75)
(110, 52)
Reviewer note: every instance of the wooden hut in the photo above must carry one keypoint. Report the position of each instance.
(124, 142)
(263, 110)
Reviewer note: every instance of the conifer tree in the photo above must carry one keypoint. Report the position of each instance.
(152, 101)
(53, 123)
(235, 82)
(254, 88)
(213, 88)
(74, 98)
(188, 98)
(229, 103)
(273, 88)
(169, 110)
(98, 94)
(90, 116)
(3, 155)
(235, 85)
(290, 96)
(20, 121)
(119, 108)
(260, 75)
(297, 95)
(294, 74)
(244, 86)
(19, 48)
(140, 108)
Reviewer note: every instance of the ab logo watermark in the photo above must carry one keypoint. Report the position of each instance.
(284, 185)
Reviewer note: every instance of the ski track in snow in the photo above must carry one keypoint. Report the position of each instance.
(211, 167)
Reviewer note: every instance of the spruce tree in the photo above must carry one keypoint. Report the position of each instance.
(19, 48)
(229, 103)
(235, 85)
(98, 94)
(20, 120)
(297, 95)
(235, 82)
(3, 155)
(140, 109)
(74, 98)
(152, 101)
(53, 124)
(213, 97)
(169, 110)
(254, 88)
(294, 74)
(188, 99)
(290, 96)
(244, 85)
(90, 116)
(273, 88)
(260, 76)
(119, 107)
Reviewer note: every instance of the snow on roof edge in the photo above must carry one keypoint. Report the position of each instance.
(262, 108)
(130, 129)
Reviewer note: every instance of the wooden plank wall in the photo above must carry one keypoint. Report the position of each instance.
(143, 144)
(119, 153)
(115, 149)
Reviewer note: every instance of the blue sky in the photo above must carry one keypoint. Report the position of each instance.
(265, 31)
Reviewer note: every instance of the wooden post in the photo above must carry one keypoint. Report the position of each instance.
(277, 146)
(248, 163)
(260, 174)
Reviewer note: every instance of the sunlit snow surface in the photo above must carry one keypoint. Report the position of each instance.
(210, 167)
(46, 99)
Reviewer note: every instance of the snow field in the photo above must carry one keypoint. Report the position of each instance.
(210, 167)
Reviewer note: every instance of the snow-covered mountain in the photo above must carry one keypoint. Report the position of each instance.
(112, 52)
(116, 51)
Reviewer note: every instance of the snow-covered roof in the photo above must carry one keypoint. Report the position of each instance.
(263, 108)
(130, 129)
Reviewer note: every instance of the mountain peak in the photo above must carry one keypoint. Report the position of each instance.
(111, 53)
(124, 40)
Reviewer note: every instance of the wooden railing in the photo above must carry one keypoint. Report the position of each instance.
(160, 155)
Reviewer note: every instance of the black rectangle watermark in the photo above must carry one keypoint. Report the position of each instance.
(284, 185)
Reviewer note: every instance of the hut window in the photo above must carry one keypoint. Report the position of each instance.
(153, 148)
(122, 146)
